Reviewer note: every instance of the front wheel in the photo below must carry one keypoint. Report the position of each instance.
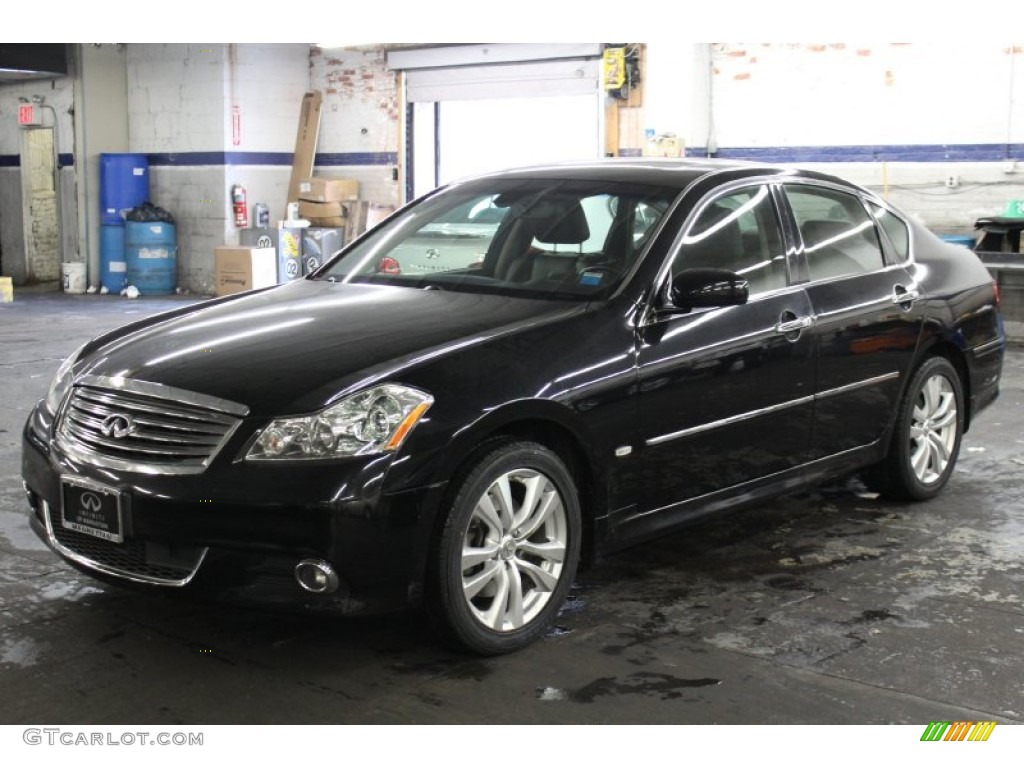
(926, 440)
(507, 554)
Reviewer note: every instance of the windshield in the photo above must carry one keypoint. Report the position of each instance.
(542, 238)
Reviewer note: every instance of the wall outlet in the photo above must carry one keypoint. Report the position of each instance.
(952, 180)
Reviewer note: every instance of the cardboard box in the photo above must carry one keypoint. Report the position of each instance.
(240, 268)
(320, 189)
(355, 219)
(377, 214)
(305, 143)
(323, 214)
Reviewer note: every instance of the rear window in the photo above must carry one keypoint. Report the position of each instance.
(895, 228)
(839, 236)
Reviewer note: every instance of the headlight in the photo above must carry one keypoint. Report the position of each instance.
(61, 382)
(374, 421)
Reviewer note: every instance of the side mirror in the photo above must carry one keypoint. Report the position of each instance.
(700, 288)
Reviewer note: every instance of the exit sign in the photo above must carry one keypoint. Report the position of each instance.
(27, 115)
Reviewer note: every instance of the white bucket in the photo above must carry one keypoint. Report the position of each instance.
(73, 276)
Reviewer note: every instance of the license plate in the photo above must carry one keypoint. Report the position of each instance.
(91, 508)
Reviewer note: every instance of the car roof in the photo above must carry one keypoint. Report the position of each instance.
(662, 171)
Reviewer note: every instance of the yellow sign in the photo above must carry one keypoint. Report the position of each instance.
(614, 68)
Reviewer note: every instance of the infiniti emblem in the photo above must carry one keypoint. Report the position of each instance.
(91, 502)
(433, 253)
(117, 426)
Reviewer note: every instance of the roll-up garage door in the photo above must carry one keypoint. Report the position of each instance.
(479, 108)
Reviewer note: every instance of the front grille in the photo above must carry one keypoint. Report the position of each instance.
(139, 560)
(144, 427)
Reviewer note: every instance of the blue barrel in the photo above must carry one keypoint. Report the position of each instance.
(964, 240)
(113, 267)
(151, 253)
(124, 184)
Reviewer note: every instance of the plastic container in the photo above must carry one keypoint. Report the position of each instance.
(261, 216)
(113, 267)
(124, 184)
(73, 276)
(1014, 209)
(151, 253)
(965, 240)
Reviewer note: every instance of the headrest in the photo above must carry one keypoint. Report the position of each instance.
(559, 221)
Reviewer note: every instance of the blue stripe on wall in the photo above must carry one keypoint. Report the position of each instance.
(357, 158)
(64, 160)
(269, 158)
(867, 153)
(873, 153)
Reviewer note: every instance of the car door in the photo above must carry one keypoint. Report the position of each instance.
(725, 394)
(866, 326)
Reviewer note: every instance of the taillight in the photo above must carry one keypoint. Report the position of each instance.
(995, 289)
(389, 266)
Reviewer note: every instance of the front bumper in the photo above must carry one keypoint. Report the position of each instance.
(239, 528)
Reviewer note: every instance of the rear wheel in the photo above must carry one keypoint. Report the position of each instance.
(926, 439)
(507, 554)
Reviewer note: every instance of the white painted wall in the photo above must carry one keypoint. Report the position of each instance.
(180, 99)
(849, 93)
(816, 96)
(361, 116)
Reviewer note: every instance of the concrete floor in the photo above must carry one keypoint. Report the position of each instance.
(827, 607)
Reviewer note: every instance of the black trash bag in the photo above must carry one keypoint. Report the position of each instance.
(149, 212)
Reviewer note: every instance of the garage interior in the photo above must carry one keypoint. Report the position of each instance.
(829, 607)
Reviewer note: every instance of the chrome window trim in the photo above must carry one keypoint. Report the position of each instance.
(863, 194)
(857, 194)
(747, 415)
(51, 540)
(650, 315)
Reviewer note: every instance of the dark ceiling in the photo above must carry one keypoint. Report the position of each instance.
(32, 61)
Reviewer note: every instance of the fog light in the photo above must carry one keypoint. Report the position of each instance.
(317, 576)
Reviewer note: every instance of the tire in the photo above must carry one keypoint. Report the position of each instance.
(926, 439)
(507, 553)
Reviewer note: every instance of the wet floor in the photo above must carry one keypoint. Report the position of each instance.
(826, 607)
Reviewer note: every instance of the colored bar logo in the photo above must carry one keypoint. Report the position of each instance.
(959, 730)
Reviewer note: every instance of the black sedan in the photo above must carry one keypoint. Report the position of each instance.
(633, 345)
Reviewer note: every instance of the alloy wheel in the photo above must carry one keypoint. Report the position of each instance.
(933, 429)
(514, 550)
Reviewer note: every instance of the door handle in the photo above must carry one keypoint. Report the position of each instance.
(901, 295)
(793, 326)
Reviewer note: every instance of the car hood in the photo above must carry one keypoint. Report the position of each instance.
(295, 348)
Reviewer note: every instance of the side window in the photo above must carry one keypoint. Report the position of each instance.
(738, 232)
(895, 228)
(839, 236)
